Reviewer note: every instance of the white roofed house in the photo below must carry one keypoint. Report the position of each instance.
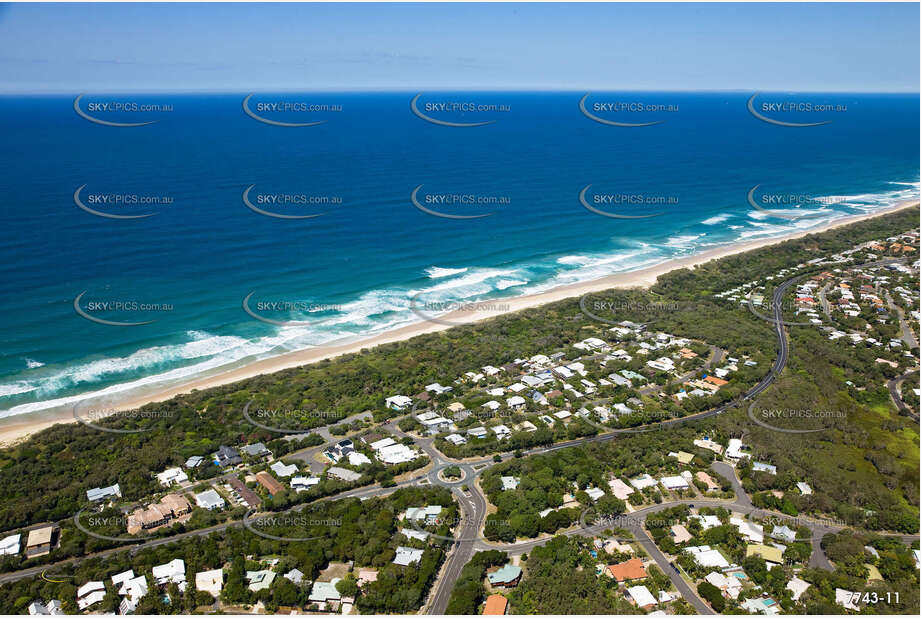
(209, 499)
(705, 556)
(674, 483)
(132, 589)
(396, 453)
(89, 594)
(172, 475)
(428, 514)
(210, 581)
(41, 608)
(398, 402)
(516, 403)
(173, 572)
(735, 450)
(752, 532)
(730, 586)
(501, 431)
(438, 389)
(10, 545)
(595, 493)
(102, 493)
(643, 481)
(407, 556)
(303, 483)
(640, 596)
(804, 488)
(492, 405)
(358, 459)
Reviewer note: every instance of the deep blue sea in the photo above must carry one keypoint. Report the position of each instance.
(352, 271)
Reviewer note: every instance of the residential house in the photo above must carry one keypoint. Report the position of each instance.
(173, 572)
(344, 474)
(619, 489)
(172, 475)
(10, 545)
(227, 456)
(707, 557)
(209, 499)
(89, 594)
(246, 495)
(506, 576)
(496, 605)
(259, 580)
(398, 402)
(640, 596)
(771, 555)
(632, 569)
(40, 541)
(102, 493)
(303, 483)
(268, 481)
(407, 556)
(210, 581)
(325, 592)
(730, 586)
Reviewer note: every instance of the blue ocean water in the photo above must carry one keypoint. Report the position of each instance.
(353, 271)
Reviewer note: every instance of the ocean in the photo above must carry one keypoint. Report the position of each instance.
(394, 208)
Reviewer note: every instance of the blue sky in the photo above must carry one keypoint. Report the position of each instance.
(73, 48)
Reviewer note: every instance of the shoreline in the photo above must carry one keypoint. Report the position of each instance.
(17, 427)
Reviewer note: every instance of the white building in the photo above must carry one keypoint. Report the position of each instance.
(89, 594)
(398, 402)
(173, 572)
(209, 499)
(407, 556)
(10, 545)
(171, 476)
(210, 581)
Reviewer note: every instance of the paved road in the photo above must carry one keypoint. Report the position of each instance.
(908, 336)
(894, 386)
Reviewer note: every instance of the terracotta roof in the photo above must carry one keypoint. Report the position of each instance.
(496, 605)
(715, 380)
(268, 481)
(631, 569)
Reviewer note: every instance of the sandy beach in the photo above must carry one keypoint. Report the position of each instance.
(17, 427)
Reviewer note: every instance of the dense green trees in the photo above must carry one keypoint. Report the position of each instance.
(468, 593)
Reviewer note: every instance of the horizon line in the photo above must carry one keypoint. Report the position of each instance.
(403, 90)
